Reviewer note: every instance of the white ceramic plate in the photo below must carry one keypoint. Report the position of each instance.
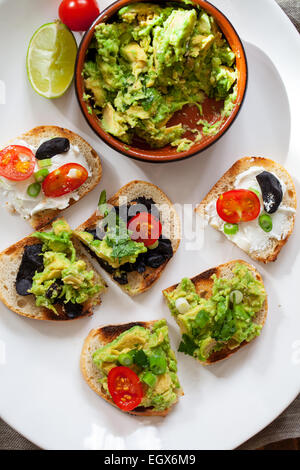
(42, 393)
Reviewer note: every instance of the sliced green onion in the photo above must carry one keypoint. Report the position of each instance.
(236, 297)
(44, 163)
(158, 363)
(125, 359)
(102, 206)
(255, 191)
(102, 199)
(265, 222)
(231, 229)
(182, 305)
(40, 175)
(153, 246)
(149, 379)
(34, 189)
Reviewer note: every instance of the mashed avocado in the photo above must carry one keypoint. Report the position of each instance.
(64, 278)
(149, 354)
(150, 62)
(227, 318)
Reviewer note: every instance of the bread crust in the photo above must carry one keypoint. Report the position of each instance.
(139, 283)
(34, 136)
(98, 338)
(204, 283)
(10, 260)
(226, 182)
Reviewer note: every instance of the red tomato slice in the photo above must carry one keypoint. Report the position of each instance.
(238, 205)
(125, 388)
(78, 15)
(16, 163)
(145, 227)
(64, 180)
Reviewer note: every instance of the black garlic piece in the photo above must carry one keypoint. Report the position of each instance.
(52, 147)
(271, 191)
(32, 262)
(72, 310)
(121, 278)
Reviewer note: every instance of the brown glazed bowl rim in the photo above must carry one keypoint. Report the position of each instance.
(163, 155)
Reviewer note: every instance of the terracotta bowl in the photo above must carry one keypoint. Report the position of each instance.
(139, 149)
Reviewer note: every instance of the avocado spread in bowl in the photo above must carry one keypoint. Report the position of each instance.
(148, 62)
(148, 353)
(224, 320)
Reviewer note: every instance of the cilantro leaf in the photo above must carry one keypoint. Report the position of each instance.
(140, 359)
(187, 345)
(225, 328)
(202, 318)
(118, 238)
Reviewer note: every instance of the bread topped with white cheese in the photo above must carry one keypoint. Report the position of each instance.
(40, 210)
(276, 212)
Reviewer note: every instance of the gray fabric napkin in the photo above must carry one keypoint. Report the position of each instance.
(286, 426)
(292, 9)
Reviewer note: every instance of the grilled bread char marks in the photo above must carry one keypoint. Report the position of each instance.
(204, 283)
(110, 332)
(34, 137)
(98, 338)
(226, 183)
(140, 282)
(10, 260)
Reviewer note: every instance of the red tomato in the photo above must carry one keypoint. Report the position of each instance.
(146, 228)
(238, 205)
(64, 180)
(16, 163)
(78, 15)
(125, 388)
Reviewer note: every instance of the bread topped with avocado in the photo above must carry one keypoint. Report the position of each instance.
(47, 276)
(254, 205)
(133, 367)
(219, 311)
(133, 235)
(45, 171)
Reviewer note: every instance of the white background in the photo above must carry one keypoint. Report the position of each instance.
(42, 393)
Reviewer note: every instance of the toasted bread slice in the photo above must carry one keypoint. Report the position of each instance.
(98, 338)
(34, 138)
(10, 260)
(204, 283)
(138, 283)
(226, 183)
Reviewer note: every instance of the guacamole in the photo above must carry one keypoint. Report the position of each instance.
(64, 278)
(151, 61)
(148, 353)
(226, 319)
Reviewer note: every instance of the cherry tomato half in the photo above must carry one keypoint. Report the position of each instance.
(16, 163)
(238, 205)
(125, 388)
(64, 180)
(78, 15)
(145, 227)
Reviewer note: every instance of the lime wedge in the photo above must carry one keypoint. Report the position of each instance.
(51, 59)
